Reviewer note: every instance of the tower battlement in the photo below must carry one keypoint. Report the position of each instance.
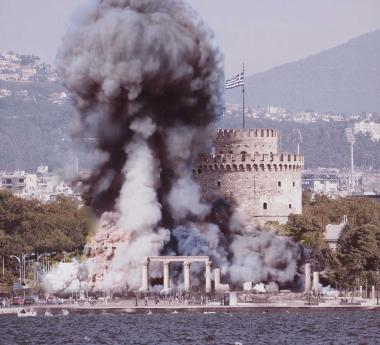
(252, 141)
(248, 162)
(247, 133)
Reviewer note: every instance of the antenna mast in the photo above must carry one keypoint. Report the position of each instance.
(351, 139)
(243, 98)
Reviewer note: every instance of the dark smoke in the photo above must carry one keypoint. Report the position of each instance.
(146, 77)
(133, 60)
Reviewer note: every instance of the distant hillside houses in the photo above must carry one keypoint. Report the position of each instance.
(24, 68)
(40, 185)
(58, 97)
(283, 115)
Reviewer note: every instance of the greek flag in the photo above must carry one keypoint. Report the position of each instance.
(236, 81)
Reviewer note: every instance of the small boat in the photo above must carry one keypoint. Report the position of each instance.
(175, 312)
(48, 313)
(24, 313)
(65, 312)
(150, 312)
(209, 312)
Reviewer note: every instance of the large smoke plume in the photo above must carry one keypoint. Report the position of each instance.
(147, 79)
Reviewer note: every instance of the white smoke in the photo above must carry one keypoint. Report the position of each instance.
(66, 277)
(138, 205)
(183, 144)
(146, 77)
(261, 256)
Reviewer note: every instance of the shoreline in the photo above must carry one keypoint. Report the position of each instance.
(132, 309)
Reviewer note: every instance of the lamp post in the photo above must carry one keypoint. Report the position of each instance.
(377, 287)
(66, 254)
(47, 265)
(44, 268)
(22, 264)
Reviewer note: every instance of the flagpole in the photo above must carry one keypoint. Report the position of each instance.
(243, 98)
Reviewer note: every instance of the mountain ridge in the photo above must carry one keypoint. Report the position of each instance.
(342, 79)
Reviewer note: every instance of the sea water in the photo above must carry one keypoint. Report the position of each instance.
(257, 327)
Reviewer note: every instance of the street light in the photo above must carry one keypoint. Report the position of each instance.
(66, 254)
(19, 262)
(47, 268)
(377, 286)
(44, 268)
(22, 264)
(297, 137)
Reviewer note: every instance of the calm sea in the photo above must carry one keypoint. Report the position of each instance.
(272, 327)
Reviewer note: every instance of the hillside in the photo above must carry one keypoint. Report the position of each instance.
(36, 118)
(344, 79)
(35, 128)
(324, 143)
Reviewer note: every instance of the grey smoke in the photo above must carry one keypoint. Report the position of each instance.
(147, 79)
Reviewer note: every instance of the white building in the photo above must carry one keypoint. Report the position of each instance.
(371, 128)
(333, 232)
(19, 182)
(325, 187)
(27, 73)
(58, 97)
(5, 93)
(42, 185)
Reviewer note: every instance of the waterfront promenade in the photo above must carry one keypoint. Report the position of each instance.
(129, 306)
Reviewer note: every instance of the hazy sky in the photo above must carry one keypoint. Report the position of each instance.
(262, 33)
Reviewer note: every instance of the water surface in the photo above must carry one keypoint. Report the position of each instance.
(258, 327)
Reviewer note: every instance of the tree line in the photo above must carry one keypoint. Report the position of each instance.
(30, 226)
(357, 257)
(63, 226)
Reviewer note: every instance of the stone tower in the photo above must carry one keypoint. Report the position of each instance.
(247, 167)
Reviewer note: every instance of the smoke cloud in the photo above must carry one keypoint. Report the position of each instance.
(147, 79)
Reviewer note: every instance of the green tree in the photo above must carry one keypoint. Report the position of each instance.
(32, 226)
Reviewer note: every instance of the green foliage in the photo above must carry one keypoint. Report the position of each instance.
(31, 226)
(358, 252)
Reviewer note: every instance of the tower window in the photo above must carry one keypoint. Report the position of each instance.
(265, 206)
(199, 171)
(279, 183)
(294, 184)
(218, 183)
(290, 205)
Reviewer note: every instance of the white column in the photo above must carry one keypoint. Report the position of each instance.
(145, 276)
(217, 279)
(307, 278)
(186, 273)
(373, 295)
(208, 276)
(316, 282)
(166, 276)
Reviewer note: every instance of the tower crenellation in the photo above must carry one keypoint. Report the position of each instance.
(246, 133)
(242, 141)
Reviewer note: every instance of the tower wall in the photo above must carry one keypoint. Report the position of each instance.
(265, 186)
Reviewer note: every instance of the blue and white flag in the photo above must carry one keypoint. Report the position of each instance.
(236, 81)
